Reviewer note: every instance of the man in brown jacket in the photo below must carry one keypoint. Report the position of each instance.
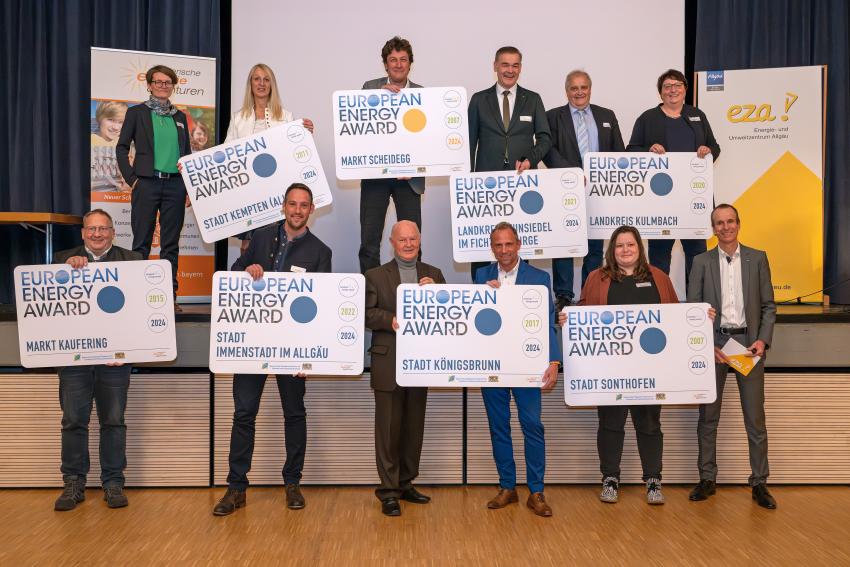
(399, 411)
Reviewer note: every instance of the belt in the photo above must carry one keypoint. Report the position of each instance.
(733, 331)
(163, 175)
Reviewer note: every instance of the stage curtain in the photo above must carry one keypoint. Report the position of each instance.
(45, 71)
(745, 34)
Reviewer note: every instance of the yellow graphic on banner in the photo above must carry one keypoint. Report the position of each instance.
(782, 214)
(758, 113)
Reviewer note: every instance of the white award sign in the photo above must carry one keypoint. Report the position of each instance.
(639, 354)
(412, 133)
(664, 196)
(546, 206)
(472, 335)
(104, 312)
(287, 323)
(239, 185)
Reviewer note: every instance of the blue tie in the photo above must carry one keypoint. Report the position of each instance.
(581, 133)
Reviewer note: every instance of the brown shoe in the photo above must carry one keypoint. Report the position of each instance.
(537, 502)
(228, 504)
(503, 498)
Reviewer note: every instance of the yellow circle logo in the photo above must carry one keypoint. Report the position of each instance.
(414, 120)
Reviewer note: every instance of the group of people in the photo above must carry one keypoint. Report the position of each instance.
(509, 130)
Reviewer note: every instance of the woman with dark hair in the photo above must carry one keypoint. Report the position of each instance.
(160, 134)
(626, 278)
(673, 126)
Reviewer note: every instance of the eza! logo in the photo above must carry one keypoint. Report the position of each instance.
(759, 113)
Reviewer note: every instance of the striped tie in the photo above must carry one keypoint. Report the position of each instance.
(581, 133)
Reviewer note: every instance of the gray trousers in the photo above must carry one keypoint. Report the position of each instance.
(399, 429)
(751, 390)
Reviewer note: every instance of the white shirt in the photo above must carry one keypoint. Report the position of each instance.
(731, 290)
(406, 85)
(509, 277)
(95, 257)
(511, 97)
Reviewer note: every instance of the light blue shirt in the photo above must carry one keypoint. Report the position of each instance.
(592, 130)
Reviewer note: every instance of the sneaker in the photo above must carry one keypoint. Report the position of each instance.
(73, 493)
(610, 490)
(653, 491)
(114, 496)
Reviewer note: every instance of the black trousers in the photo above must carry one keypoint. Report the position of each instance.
(247, 390)
(168, 198)
(399, 428)
(612, 431)
(375, 197)
(661, 251)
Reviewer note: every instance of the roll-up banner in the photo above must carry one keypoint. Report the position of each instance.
(769, 124)
(118, 82)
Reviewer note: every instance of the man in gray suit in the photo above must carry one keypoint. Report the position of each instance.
(735, 280)
(406, 192)
(508, 128)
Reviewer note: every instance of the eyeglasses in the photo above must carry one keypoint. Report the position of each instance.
(96, 229)
(162, 84)
(672, 86)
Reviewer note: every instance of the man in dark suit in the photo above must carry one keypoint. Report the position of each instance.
(507, 123)
(161, 137)
(735, 280)
(406, 192)
(285, 246)
(399, 410)
(510, 270)
(577, 128)
(106, 384)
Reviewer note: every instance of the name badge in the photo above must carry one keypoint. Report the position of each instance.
(525, 118)
(694, 119)
(643, 284)
(297, 269)
(606, 125)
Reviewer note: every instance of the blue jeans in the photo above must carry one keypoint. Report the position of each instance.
(497, 401)
(107, 386)
(562, 269)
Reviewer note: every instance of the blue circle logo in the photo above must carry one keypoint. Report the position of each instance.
(110, 299)
(303, 309)
(607, 317)
(373, 100)
(442, 296)
(488, 322)
(623, 162)
(62, 276)
(258, 285)
(661, 184)
(490, 183)
(531, 202)
(219, 157)
(653, 340)
(265, 165)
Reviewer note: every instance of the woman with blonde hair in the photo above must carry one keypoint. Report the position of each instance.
(261, 110)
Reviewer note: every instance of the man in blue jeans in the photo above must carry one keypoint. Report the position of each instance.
(285, 246)
(106, 385)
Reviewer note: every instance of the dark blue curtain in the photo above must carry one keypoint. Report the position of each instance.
(45, 91)
(742, 34)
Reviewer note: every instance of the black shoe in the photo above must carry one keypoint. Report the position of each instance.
(562, 301)
(73, 493)
(390, 507)
(114, 496)
(228, 504)
(763, 497)
(413, 495)
(294, 498)
(703, 490)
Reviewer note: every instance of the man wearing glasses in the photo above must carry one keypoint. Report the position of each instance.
(161, 136)
(106, 385)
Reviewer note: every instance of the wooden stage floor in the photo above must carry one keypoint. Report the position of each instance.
(344, 526)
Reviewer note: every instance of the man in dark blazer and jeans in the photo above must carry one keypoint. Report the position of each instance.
(599, 132)
(161, 137)
(507, 123)
(285, 246)
(399, 410)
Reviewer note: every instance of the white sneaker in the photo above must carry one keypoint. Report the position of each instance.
(653, 491)
(610, 490)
